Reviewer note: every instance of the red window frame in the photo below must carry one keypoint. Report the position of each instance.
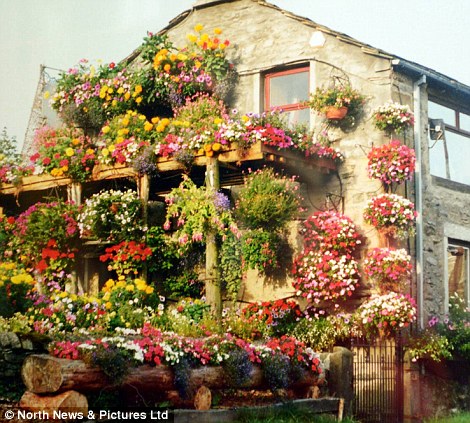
(285, 107)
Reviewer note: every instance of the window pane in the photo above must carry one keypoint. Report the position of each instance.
(288, 89)
(295, 117)
(457, 267)
(458, 146)
(436, 111)
(465, 122)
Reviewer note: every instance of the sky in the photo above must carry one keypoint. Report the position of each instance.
(58, 33)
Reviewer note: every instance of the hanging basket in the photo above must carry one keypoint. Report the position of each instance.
(336, 113)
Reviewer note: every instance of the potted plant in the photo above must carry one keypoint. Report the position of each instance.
(391, 214)
(336, 102)
(393, 117)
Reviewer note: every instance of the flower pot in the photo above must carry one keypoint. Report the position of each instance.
(336, 113)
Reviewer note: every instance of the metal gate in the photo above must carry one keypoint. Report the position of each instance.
(378, 379)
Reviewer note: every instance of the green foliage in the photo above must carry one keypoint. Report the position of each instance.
(8, 149)
(230, 265)
(429, 344)
(320, 334)
(267, 200)
(337, 96)
(259, 249)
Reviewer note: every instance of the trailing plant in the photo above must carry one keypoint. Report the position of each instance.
(330, 230)
(429, 344)
(337, 96)
(325, 277)
(237, 368)
(393, 117)
(260, 250)
(46, 236)
(267, 200)
(392, 214)
(389, 268)
(230, 265)
(197, 212)
(391, 163)
(276, 371)
(112, 216)
(385, 314)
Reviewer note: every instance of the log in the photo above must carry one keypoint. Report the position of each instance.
(53, 405)
(203, 398)
(43, 373)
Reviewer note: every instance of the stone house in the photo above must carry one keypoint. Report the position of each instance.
(278, 66)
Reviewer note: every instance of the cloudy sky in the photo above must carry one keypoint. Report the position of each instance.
(58, 33)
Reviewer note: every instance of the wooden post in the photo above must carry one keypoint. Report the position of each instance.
(143, 186)
(74, 195)
(212, 283)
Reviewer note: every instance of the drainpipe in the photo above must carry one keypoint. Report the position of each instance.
(418, 130)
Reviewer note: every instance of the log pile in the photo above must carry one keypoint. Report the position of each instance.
(50, 381)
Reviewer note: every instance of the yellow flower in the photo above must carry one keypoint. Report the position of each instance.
(105, 152)
(148, 126)
(90, 151)
(198, 28)
(138, 88)
(121, 278)
(110, 90)
(130, 288)
(182, 57)
(47, 94)
(149, 290)
(127, 96)
(111, 148)
(245, 118)
(167, 67)
(205, 38)
(192, 38)
(222, 46)
(217, 121)
(125, 122)
(155, 119)
(120, 90)
(69, 152)
(217, 31)
(108, 305)
(165, 121)
(138, 100)
(106, 129)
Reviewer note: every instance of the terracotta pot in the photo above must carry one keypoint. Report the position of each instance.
(336, 113)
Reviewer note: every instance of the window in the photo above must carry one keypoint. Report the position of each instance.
(446, 155)
(288, 90)
(458, 269)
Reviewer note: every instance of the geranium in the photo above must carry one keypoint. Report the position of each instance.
(393, 117)
(330, 230)
(392, 162)
(46, 234)
(112, 215)
(386, 313)
(126, 257)
(63, 152)
(391, 213)
(325, 276)
(280, 315)
(389, 267)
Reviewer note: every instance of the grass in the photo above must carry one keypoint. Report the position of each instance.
(287, 415)
(458, 418)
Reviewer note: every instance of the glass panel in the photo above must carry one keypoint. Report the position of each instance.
(298, 117)
(465, 122)
(288, 89)
(457, 267)
(458, 146)
(436, 111)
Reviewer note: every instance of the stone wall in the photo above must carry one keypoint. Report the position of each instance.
(13, 350)
(254, 51)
